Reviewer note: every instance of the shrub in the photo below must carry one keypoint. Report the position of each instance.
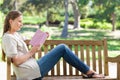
(33, 20)
(106, 25)
(61, 24)
(94, 24)
(86, 23)
(118, 25)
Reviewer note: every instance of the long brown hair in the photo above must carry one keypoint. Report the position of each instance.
(11, 15)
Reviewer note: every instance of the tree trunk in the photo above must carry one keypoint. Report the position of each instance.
(65, 27)
(47, 18)
(113, 21)
(15, 5)
(76, 14)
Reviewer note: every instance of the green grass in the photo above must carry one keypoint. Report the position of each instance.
(83, 34)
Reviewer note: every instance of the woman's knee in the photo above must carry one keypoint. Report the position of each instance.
(62, 45)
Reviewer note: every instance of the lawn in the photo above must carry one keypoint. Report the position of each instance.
(79, 34)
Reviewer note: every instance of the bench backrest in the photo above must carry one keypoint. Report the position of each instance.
(92, 52)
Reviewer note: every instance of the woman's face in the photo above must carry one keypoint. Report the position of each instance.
(16, 24)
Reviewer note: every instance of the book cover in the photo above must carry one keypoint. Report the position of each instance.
(38, 38)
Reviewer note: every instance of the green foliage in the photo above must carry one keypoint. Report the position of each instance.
(106, 26)
(56, 17)
(83, 2)
(33, 20)
(106, 7)
(1, 2)
(1, 19)
(117, 12)
(61, 24)
(46, 29)
(118, 25)
(44, 5)
(0, 16)
(9, 5)
(94, 24)
(86, 23)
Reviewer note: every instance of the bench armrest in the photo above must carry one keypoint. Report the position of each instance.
(115, 60)
(27, 42)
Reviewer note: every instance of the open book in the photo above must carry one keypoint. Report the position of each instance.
(39, 38)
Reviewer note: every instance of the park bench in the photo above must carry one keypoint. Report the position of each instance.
(93, 52)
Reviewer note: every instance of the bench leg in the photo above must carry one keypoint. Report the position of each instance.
(118, 70)
(8, 70)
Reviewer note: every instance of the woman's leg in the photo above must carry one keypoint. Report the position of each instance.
(48, 61)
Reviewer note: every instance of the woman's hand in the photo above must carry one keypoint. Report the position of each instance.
(34, 49)
(47, 34)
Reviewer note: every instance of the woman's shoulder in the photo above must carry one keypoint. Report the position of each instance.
(7, 36)
(16, 36)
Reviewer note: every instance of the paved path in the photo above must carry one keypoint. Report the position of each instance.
(2, 71)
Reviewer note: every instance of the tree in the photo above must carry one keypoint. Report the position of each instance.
(11, 5)
(44, 5)
(76, 14)
(47, 5)
(78, 6)
(108, 8)
(41, 5)
(65, 28)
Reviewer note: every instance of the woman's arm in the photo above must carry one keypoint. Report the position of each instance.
(17, 60)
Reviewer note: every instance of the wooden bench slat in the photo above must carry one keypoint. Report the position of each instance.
(94, 57)
(82, 52)
(70, 67)
(100, 59)
(58, 68)
(76, 51)
(45, 49)
(105, 57)
(64, 68)
(8, 69)
(75, 42)
(52, 71)
(88, 55)
(118, 70)
(39, 53)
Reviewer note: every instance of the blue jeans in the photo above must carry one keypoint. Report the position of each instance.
(47, 62)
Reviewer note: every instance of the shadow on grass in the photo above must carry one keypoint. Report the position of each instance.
(85, 34)
(27, 29)
(90, 34)
(113, 44)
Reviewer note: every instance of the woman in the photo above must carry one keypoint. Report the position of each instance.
(24, 65)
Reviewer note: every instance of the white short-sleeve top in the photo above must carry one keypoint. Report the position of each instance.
(13, 44)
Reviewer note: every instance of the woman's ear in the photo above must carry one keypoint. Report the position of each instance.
(10, 21)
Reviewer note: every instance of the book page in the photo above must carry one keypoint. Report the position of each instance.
(39, 38)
